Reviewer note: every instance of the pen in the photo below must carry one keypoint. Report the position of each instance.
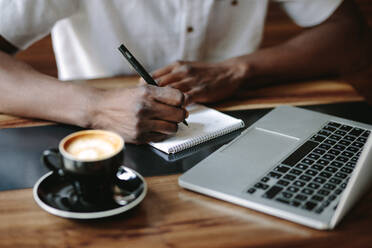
(139, 68)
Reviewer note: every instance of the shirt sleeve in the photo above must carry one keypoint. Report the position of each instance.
(23, 22)
(308, 13)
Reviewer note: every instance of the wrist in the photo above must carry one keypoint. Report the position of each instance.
(242, 69)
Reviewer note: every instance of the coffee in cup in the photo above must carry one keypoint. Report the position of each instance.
(90, 159)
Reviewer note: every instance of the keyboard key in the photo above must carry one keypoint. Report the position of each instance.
(341, 175)
(251, 190)
(318, 138)
(331, 169)
(323, 162)
(295, 203)
(329, 186)
(334, 124)
(295, 171)
(329, 128)
(352, 149)
(340, 132)
(335, 137)
(330, 142)
(345, 128)
(346, 170)
(325, 146)
(301, 152)
(339, 147)
(313, 185)
(319, 210)
(366, 134)
(317, 198)
(328, 156)
(317, 167)
(272, 192)
(299, 183)
(282, 169)
(302, 166)
(287, 195)
(305, 178)
(307, 161)
(311, 172)
(265, 179)
(362, 139)
(307, 191)
(350, 164)
(301, 197)
(283, 200)
(313, 156)
(343, 185)
(290, 177)
(332, 197)
(309, 205)
(319, 180)
(344, 142)
(347, 154)
(354, 159)
(334, 152)
(275, 175)
(323, 192)
(326, 203)
(335, 180)
(337, 164)
(349, 138)
(325, 174)
(342, 159)
(356, 131)
(261, 186)
(338, 191)
(292, 189)
(358, 144)
(283, 182)
(324, 133)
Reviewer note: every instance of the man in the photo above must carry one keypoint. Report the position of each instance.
(214, 42)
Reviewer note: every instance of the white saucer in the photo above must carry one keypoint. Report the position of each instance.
(47, 193)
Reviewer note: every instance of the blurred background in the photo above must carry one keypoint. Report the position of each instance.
(278, 29)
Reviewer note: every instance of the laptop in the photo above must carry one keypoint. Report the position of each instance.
(296, 164)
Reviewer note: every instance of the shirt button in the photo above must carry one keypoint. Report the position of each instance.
(190, 29)
(234, 2)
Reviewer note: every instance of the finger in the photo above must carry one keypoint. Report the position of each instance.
(165, 112)
(194, 95)
(162, 71)
(170, 78)
(160, 126)
(184, 85)
(141, 82)
(168, 96)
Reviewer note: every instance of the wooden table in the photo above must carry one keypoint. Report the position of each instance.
(170, 216)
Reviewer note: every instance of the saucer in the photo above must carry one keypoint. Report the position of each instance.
(57, 196)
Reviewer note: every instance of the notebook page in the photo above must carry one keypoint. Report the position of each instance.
(204, 124)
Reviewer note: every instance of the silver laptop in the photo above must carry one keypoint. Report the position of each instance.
(295, 164)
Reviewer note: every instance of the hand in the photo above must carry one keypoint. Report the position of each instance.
(141, 114)
(203, 82)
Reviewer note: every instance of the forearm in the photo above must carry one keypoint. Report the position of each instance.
(337, 47)
(26, 92)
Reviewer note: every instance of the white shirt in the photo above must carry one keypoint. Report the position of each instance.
(86, 33)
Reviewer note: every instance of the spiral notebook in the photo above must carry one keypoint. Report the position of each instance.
(204, 124)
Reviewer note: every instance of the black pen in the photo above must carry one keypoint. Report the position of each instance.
(139, 69)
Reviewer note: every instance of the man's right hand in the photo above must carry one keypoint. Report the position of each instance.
(141, 114)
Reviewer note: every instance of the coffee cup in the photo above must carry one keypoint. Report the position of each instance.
(90, 159)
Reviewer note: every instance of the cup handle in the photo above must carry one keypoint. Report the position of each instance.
(53, 152)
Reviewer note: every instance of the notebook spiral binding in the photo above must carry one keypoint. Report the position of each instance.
(200, 139)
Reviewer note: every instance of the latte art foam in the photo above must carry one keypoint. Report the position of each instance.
(91, 146)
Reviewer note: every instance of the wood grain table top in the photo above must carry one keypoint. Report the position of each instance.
(170, 216)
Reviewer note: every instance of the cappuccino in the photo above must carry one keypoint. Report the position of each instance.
(92, 145)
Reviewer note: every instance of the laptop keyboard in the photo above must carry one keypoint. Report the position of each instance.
(314, 175)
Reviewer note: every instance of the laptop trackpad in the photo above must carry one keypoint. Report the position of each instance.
(260, 147)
